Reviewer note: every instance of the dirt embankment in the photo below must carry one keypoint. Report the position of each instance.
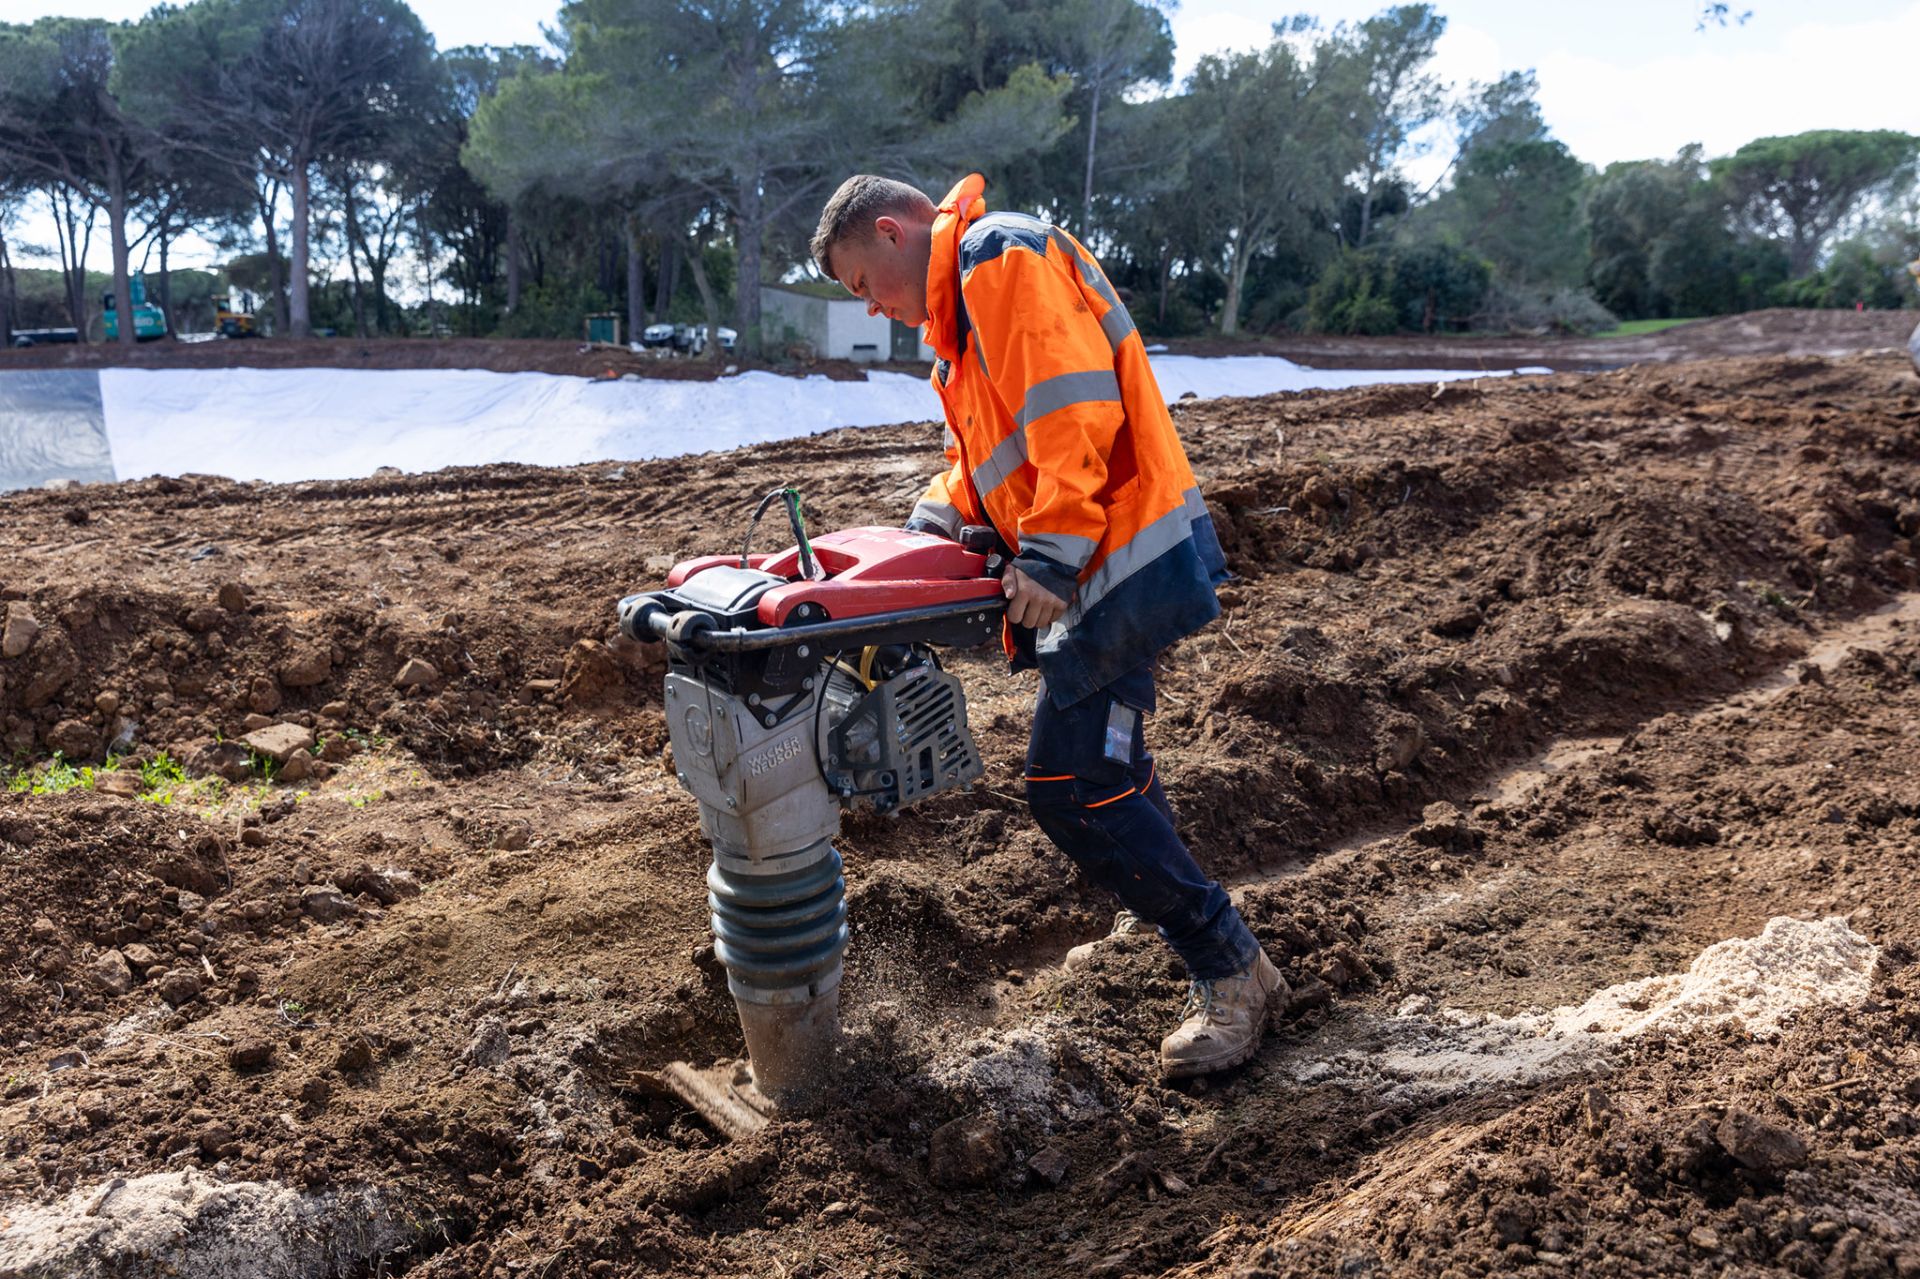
(410, 1002)
(1773, 332)
(501, 355)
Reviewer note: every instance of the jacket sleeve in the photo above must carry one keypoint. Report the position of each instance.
(1051, 365)
(939, 510)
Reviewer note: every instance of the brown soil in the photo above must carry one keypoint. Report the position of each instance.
(1774, 332)
(1678, 600)
(501, 355)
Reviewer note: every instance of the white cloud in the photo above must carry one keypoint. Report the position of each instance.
(1200, 29)
(1858, 75)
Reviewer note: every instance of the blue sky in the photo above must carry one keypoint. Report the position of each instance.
(1634, 79)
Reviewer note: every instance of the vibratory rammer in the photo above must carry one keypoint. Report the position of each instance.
(800, 684)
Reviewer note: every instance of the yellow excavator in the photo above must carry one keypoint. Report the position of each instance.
(230, 323)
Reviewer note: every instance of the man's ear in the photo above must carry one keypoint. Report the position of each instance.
(888, 228)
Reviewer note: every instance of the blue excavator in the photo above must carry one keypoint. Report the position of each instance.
(149, 321)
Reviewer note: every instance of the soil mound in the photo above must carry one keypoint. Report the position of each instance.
(343, 869)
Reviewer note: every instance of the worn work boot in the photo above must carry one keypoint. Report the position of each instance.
(1080, 956)
(1224, 1020)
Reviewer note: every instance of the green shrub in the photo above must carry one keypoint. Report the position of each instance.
(1512, 308)
(1426, 287)
(1854, 274)
(554, 310)
(1352, 296)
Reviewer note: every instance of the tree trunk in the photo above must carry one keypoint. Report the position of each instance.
(353, 258)
(7, 313)
(377, 272)
(746, 302)
(1086, 188)
(299, 314)
(636, 281)
(697, 263)
(1803, 251)
(1236, 278)
(1166, 282)
(426, 257)
(117, 236)
(73, 257)
(513, 262)
(269, 201)
(669, 277)
(166, 286)
(1366, 209)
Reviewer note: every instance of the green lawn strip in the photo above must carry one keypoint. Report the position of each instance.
(1634, 328)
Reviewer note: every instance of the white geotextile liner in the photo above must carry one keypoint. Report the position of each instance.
(188, 1223)
(286, 425)
(313, 424)
(1754, 983)
(51, 428)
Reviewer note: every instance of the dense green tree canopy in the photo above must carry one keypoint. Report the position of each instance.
(669, 156)
(1800, 189)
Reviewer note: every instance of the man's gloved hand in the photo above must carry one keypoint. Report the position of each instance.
(1028, 602)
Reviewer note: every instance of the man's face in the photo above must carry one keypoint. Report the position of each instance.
(888, 271)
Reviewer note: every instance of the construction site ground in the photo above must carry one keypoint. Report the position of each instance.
(1773, 332)
(1525, 689)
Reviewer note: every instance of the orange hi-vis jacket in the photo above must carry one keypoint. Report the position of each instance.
(1058, 437)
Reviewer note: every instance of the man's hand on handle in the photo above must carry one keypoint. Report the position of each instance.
(1028, 602)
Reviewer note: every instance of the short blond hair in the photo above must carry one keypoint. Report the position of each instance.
(850, 214)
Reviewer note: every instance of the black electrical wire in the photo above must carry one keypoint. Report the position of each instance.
(796, 520)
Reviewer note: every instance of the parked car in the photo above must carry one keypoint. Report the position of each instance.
(688, 339)
(44, 337)
(698, 337)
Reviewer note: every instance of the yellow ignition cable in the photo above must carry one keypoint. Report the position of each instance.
(837, 664)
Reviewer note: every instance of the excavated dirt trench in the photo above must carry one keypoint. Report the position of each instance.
(1579, 676)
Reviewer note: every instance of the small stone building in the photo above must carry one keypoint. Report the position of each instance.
(836, 326)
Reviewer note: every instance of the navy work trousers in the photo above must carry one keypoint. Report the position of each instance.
(1092, 788)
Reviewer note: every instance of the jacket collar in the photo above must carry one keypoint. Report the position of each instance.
(962, 205)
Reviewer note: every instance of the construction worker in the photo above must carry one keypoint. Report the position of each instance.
(1058, 437)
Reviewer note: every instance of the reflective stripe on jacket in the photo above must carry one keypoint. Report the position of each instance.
(1057, 435)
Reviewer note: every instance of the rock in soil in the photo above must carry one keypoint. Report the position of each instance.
(418, 672)
(1767, 1148)
(179, 986)
(226, 759)
(323, 903)
(111, 973)
(18, 632)
(968, 1151)
(307, 667)
(280, 741)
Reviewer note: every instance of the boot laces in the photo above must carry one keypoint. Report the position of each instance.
(1200, 994)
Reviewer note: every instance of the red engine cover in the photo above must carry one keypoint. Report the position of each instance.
(869, 570)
